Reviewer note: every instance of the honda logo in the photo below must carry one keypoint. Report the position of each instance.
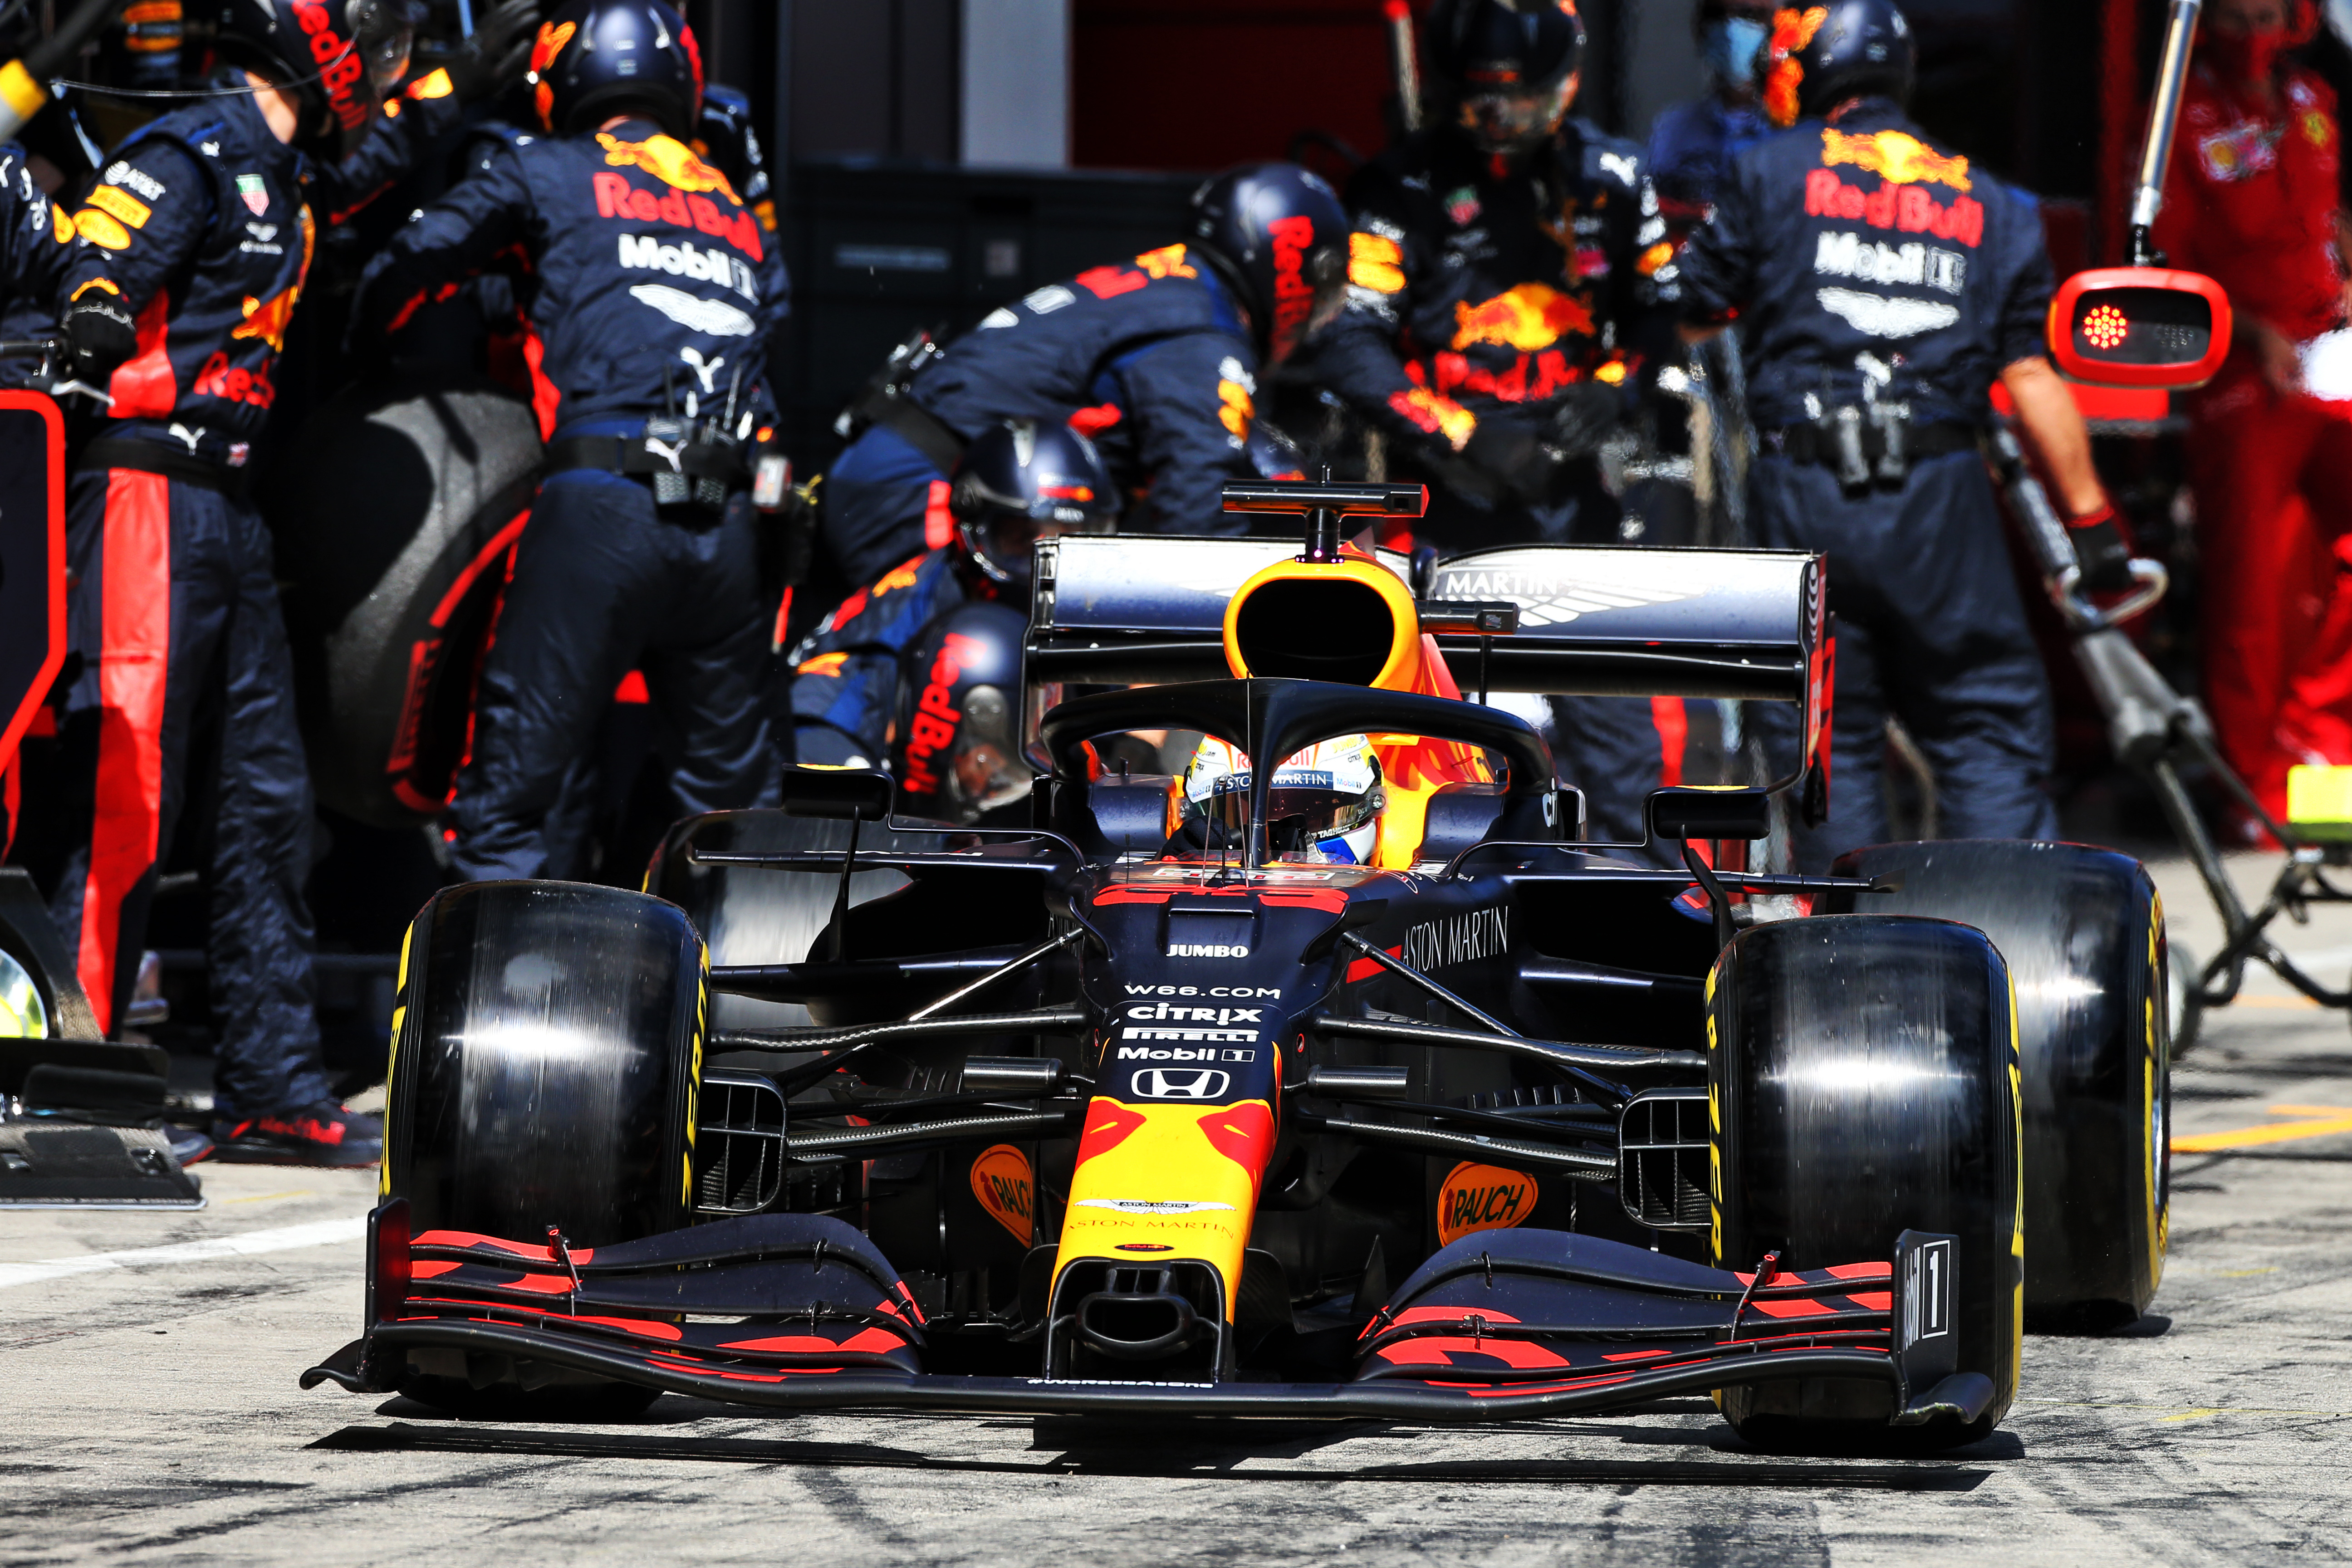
(1179, 1083)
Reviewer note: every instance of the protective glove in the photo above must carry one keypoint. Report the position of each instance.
(2103, 551)
(1583, 416)
(99, 335)
(496, 52)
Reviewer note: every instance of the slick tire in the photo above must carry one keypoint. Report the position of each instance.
(2082, 931)
(1862, 1075)
(547, 1045)
(395, 516)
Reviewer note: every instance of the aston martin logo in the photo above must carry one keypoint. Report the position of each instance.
(1553, 599)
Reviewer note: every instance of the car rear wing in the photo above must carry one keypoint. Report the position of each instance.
(1596, 621)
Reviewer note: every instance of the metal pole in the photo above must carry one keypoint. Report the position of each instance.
(2163, 119)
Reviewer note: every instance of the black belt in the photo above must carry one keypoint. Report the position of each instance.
(173, 462)
(642, 455)
(925, 431)
(1811, 444)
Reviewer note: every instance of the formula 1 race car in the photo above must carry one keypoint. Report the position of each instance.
(1091, 1117)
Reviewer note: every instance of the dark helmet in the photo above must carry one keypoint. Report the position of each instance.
(724, 139)
(1823, 55)
(1508, 66)
(332, 55)
(597, 57)
(958, 754)
(1277, 233)
(1022, 481)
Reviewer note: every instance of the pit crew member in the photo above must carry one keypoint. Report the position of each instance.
(652, 292)
(1881, 283)
(2251, 200)
(1508, 279)
(191, 253)
(1155, 358)
(1692, 144)
(920, 671)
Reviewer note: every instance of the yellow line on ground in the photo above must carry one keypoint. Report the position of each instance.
(2328, 1120)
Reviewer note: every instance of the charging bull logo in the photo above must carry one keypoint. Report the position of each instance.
(932, 730)
(267, 319)
(1528, 317)
(1897, 156)
(1006, 1188)
(1476, 1197)
(339, 66)
(683, 205)
(553, 37)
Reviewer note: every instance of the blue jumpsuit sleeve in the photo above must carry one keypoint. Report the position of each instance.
(1191, 398)
(1718, 266)
(2025, 308)
(36, 241)
(454, 239)
(405, 127)
(141, 225)
(1357, 358)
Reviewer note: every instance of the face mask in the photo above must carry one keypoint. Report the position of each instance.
(1729, 48)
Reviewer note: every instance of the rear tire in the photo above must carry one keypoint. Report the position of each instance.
(2083, 931)
(1862, 1071)
(547, 1057)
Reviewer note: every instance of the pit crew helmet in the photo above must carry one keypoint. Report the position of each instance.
(1509, 68)
(1823, 55)
(724, 139)
(597, 57)
(1277, 235)
(333, 57)
(1323, 805)
(1022, 481)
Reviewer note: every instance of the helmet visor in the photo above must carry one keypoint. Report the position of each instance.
(385, 34)
(1511, 122)
(1001, 541)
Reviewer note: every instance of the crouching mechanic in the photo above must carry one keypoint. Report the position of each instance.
(922, 671)
(191, 251)
(1156, 359)
(1881, 283)
(652, 292)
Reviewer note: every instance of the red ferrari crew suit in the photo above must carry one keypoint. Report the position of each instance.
(2251, 202)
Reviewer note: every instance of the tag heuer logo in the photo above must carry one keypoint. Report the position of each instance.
(255, 194)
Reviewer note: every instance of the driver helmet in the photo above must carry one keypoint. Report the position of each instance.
(1022, 481)
(1510, 67)
(1324, 805)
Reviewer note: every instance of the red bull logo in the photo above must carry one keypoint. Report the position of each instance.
(1294, 292)
(932, 730)
(339, 66)
(1895, 155)
(1476, 1197)
(218, 378)
(553, 37)
(1527, 317)
(1791, 31)
(267, 319)
(1906, 208)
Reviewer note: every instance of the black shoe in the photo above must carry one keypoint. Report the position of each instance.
(324, 1134)
(188, 1145)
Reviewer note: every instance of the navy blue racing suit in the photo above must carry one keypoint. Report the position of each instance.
(1149, 358)
(36, 247)
(1866, 266)
(1691, 148)
(846, 673)
(202, 226)
(1481, 294)
(649, 286)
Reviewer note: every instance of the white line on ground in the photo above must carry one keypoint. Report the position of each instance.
(321, 1233)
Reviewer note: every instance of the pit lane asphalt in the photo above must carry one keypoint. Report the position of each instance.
(148, 1412)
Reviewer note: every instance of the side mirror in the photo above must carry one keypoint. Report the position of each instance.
(1688, 810)
(2139, 326)
(863, 793)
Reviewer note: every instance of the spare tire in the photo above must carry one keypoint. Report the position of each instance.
(395, 516)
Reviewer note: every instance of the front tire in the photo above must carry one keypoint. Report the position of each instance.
(1861, 1074)
(2083, 931)
(547, 1057)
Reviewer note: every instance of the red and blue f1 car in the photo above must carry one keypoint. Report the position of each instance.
(1067, 1118)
